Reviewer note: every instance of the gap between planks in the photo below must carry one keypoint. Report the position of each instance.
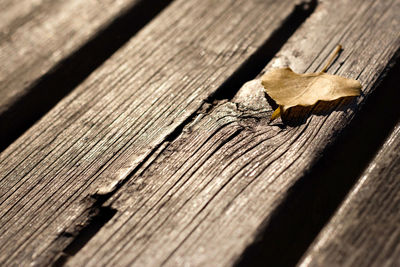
(38, 80)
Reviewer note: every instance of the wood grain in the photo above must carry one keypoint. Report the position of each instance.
(365, 230)
(36, 39)
(36, 35)
(207, 194)
(96, 136)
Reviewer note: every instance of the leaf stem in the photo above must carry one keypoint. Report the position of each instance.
(276, 114)
(332, 58)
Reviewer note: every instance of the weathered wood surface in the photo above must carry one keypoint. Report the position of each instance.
(202, 199)
(365, 230)
(35, 36)
(96, 136)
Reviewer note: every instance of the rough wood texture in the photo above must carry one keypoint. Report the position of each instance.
(365, 231)
(205, 195)
(95, 137)
(35, 36)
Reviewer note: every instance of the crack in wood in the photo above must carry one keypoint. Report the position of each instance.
(93, 219)
(99, 216)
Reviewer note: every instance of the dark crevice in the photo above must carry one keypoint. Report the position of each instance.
(98, 216)
(312, 201)
(204, 108)
(257, 61)
(69, 73)
(95, 217)
(104, 214)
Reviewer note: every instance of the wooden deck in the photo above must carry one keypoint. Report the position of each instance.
(136, 133)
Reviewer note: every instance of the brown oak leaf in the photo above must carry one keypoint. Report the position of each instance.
(289, 89)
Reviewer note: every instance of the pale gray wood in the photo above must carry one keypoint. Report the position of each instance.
(96, 136)
(365, 231)
(207, 194)
(35, 36)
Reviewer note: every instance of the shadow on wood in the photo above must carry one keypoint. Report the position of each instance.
(70, 72)
(313, 199)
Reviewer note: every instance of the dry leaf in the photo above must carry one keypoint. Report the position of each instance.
(289, 89)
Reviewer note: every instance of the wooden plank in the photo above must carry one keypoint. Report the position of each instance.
(208, 193)
(96, 136)
(36, 35)
(365, 230)
(46, 47)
